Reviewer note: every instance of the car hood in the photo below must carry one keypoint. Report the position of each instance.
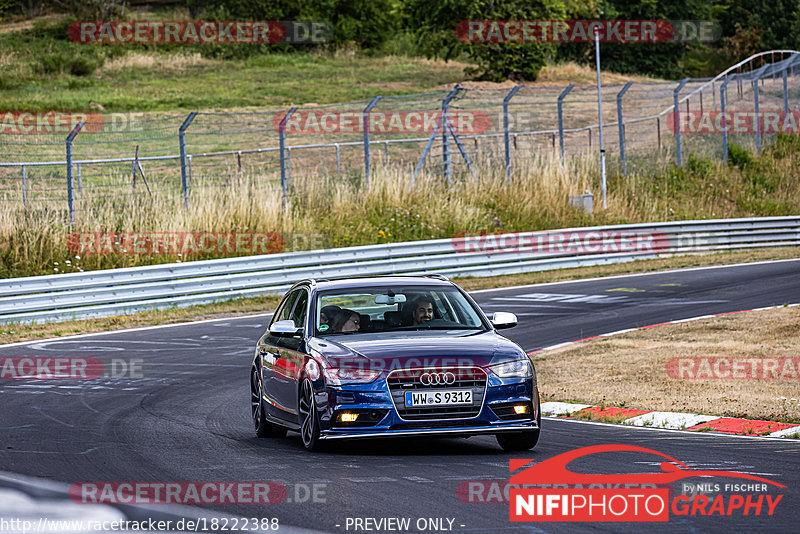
(417, 349)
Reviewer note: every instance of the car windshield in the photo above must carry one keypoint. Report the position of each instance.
(391, 309)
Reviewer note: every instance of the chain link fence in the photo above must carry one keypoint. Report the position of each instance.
(444, 132)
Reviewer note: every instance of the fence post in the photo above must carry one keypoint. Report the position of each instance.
(755, 80)
(677, 124)
(658, 131)
(80, 184)
(785, 91)
(288, 167)
(560, 103)
(24, 188)
(722, 96)
(621, 128)
(365, 125)
(282, 142)
(182, 143)
(506, 139)
(70, 191)
(445, 123)
(338, 161)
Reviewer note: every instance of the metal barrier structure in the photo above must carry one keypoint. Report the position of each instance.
(130, 290)
(185, 154)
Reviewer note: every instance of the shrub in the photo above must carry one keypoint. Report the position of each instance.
(739, 156)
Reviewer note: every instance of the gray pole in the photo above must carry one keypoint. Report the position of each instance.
(621, 128)
(445, 144)
(445, 123)
(506, 138)
(182, 143)
(365, 123)
(80, 184)
(756, 78)
(559, 105)
(338, 161)
(785, 91)
(24, 188)
(70, 191)
(282, 143)
(600, 116)
(722, 97)
(676, 121)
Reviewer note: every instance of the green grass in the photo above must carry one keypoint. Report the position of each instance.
(43, 70)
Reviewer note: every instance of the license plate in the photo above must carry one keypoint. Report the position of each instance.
(438, 397)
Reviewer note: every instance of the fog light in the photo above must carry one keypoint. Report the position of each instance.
(520, 409)
(347, 417)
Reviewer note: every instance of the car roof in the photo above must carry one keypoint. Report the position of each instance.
(381, 281)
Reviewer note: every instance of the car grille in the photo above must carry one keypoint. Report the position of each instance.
(403, 380)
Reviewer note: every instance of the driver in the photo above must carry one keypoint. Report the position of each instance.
(422, 311)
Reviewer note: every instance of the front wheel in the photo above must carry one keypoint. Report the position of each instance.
(518, 441)
(264, 429)
(309, 421)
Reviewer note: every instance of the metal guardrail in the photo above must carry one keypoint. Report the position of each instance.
(130, 290)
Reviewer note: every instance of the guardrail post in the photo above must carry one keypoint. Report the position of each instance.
(755, 80)
(722, 101)
(676, 113)
(506, 138)
(182, 143)
(621, 128)
(560, 104)
(24, 188)
(365, 125)
(70, 190)
(282, 142)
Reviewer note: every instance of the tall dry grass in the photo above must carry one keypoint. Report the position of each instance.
(331, 210)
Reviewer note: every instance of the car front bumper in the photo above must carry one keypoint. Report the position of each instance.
(376, 396)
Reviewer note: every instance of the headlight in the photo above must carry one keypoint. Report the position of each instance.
(517, 369)
(342, 376)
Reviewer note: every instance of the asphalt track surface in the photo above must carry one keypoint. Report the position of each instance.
(188, 418)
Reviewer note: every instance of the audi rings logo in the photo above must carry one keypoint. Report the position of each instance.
(437, 379)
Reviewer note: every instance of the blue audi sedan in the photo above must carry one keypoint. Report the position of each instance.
(391, 356)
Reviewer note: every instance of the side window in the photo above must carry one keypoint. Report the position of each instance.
(284, 312)
(299, 312)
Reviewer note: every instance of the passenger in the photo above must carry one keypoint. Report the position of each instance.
(422, 311)
(328, 314)
(346, 321)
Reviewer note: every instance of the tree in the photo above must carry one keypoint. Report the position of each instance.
(436, 23)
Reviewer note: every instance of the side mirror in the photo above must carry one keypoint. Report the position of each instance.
(502, 320)
(285, 328)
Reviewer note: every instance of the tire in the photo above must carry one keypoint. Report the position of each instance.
(264, 429)
(518, 441)
(521, 441)
(309, 420)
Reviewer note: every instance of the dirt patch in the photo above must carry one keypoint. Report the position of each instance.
(559, 75)
(638, 369)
